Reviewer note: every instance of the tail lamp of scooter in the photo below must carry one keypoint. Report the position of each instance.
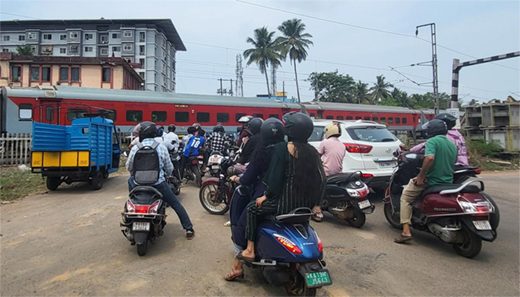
(358, 193)
(289, 245)
(320, 244)
(134, 208)
(478, 208)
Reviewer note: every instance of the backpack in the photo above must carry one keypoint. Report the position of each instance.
(146, 167)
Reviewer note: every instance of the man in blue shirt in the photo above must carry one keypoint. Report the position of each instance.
(147, 133)
(192, 149)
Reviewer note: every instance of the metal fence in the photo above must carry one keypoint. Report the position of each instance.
(15, 149)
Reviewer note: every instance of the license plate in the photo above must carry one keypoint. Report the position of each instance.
(387, 164)
(364, 204)
(213, 160)
(317, 279)
(141, 226)
(214, 167)
(482, 225)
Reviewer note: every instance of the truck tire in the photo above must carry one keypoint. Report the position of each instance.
(53, 182)
(97, 180)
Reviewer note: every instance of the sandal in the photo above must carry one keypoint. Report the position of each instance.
(317, 216)
(232, 276)
(403, 238)
(241, 257)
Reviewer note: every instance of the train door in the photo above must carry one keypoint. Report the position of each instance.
(320, 114)
(49, 112)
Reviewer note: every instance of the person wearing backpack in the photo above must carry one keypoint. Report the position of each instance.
(149, 164)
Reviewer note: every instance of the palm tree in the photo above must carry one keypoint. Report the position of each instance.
(361, 91)
(25, 50)
(294, 42)
(400, 97)
(265, 52)
(380, 89)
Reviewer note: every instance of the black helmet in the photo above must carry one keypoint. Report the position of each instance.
(171, 128)
(192, 130)
(160, 131)
(298, 126)
(218, 128)
(254, 125)
(448, 118)
(272, 131)
(147, 130)
(435, 127)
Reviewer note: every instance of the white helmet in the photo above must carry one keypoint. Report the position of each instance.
(245, 119)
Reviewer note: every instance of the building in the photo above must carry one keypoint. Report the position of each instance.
(31, 71)
(152, 44)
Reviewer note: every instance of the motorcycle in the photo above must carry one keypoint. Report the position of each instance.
(143, 218)
(459, 214)
(175, 181)
(289, 253)
(346, 198)
(214, 164)
(194, 169)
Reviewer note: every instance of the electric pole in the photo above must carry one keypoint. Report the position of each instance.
(434, 62)
(222, 91)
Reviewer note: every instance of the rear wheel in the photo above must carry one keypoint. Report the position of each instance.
(471, 245)
(298, 288)
(358, 220)
(209, 198)
(97, 180)
(391, 216)
(142, 248)
(198, 175)
(53, 182)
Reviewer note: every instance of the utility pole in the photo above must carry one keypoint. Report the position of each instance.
(231, 83)
(316, 87)
(434, 62)
(221, 91)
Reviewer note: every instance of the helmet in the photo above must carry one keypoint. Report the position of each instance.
(192, 130)
(272, 130)
(298, 126)
(160, 131)
(218, 128)
(147, 130)
(197, 126)
(435, 127)
(254, 125)
(332, 129)
(171, 128)
(448, 118)
(245, 119)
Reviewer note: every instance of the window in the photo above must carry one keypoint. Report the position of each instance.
(89, 36)
(127, 47)
(74, 49)
(158, 116)
(141, 74)
(258, 115)
(127, 33)
(141, 62)
(390, 120)
(105, 75)
(274, 116)
(49, 113)
(32, 35)
(223, 117)
(116, 49)
(358, 118)
(5, 50)
(25, 112)
(134, 115)
(238, 116)
(63, 37)
(313, 115)
(74, 74)
(73, 35)
(103, 51)
(375, 119)
(104, 39)
(116, 35)
(383, 120)
(404, 121)
(340, 118)
(317, 134)
(372, 135)
(47, 36)
(75, 113)
(367, 118)
(182, 116)
(64, 73)
(203, 117)
(21, 37)
(349, 117)
(141, 50)
(63, 50)
(46, 73)
(142, 37)
(329, 117)
(89, 49)
(111, 114)
(7, 37)
(398, 120)
(16, 73)
(35, 74)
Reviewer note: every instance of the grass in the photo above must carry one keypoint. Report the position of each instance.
(16, 184)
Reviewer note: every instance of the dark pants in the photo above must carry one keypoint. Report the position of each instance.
(171, 199)
(184, 160)
(256, 214)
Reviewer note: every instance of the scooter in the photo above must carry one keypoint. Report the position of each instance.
(214, 164)
(289, 253)
(346, 198)
(193, 169)
(143, 218)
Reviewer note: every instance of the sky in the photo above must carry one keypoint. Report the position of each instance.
(363, 39)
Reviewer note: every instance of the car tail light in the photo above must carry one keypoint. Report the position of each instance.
(154, 208)
(357, 148)
(289, 245)
(478, 171)
(141, 208)
(130, 207)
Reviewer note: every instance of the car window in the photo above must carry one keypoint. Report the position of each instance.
(371, 134)
(317, 134)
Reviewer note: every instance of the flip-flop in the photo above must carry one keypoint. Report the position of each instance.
(317, 216)
(241, 257)
(232, 276)
(403, 239)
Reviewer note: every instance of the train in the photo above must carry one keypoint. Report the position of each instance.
(61, 104)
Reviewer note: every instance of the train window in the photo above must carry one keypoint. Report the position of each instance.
(202, 117)
(398, 120)
(112, 114)
(349, 117)
(223, 117)
(134, 115)
(340, 118)
(367, 118)
(258, 115)
(238, 116)
(390, 120)
(159, 116)
(383, 120)
(49, 113)
(25, 112)
(358, 118)
(75, 113)
(404, 121)
(313, 115)
(329, 117)
(375, 119)
(182, 116)
(274, 116)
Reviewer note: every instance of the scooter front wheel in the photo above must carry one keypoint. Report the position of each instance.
(391, 216)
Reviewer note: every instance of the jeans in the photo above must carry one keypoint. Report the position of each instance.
(171, 199)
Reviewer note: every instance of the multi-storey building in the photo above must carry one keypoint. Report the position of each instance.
(151, 43)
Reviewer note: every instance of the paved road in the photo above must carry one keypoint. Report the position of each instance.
(68, 243)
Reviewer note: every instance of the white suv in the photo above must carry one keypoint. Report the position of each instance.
(369, 146)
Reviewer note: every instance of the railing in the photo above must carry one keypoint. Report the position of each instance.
(15, 149)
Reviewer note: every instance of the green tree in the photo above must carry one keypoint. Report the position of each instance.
(400, 97)
(361, 93)
(24, 50)
(380, 89)
(333, 87)
(264, 53)
(295, 44)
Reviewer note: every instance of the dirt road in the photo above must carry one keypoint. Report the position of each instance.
(69, 242)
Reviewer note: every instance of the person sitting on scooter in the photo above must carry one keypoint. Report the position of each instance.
(191, 131)
(454, 136)
(295, 178)
(217, 139)
(332, 152)
(147, 133)
(192, 149)
(171, 137)
(244, 132)
(272, 132)
(160, 139)
(437, 169)
(253, 142)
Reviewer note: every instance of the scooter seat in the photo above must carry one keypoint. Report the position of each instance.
(439, 188)
(342, 178)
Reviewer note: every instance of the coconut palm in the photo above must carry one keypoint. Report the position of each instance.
(264, 53)
(294, 42)
(380, 89)
(401, 97)
(361, 91)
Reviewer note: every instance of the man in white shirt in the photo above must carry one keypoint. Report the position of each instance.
(171, 137)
